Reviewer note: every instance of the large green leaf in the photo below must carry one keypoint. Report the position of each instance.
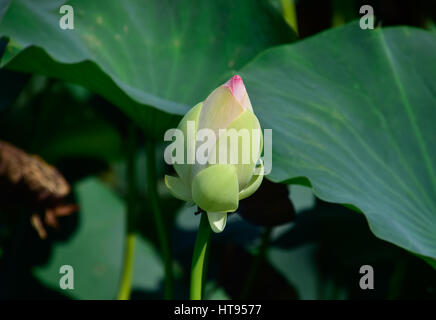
(354, 111)
(160, 53)
(3, 7)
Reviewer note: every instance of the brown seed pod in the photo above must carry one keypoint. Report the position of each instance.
(28, 181)
(29, 178)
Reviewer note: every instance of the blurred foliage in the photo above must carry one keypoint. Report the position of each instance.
(344, 243)
(271, 198)
(98, 248)
(64, 121)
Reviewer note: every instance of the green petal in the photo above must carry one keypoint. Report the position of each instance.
(253, 185)
(217, 221)
(177, 188)
(219, 110)
(247, 120)
(184, 170)
(215, 189)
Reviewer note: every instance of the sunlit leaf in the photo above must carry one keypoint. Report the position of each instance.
(164, 54)
(354, 111)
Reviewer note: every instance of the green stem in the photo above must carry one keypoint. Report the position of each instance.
(158, 218)
(252, 273)
(129, 254)
(199, 261)
(290, 13)
(397, 280)
(126, 281)
(343, 12)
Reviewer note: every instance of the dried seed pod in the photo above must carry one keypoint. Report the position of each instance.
(28, 178)
(28, 181)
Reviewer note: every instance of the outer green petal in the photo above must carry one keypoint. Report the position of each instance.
(215, 189)
(177, 188)
(217, 221)
(184, 170)
(219, 110)
(247, 120)
(252, 186)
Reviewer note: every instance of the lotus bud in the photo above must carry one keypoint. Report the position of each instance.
(221, 153)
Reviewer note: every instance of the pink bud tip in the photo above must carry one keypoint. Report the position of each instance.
(236, 86)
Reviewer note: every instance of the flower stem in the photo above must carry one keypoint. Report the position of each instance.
(397, 280)
(261, 252)
(290, 13)
(129, 254)
(158, 218)
(199, 259)
(126, 282)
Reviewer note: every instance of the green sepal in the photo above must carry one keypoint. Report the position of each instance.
(217, 221)
(177, 188)
(253, 185)
(215, 189)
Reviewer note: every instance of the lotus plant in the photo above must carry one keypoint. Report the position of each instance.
(211, 172)
(217, 186)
